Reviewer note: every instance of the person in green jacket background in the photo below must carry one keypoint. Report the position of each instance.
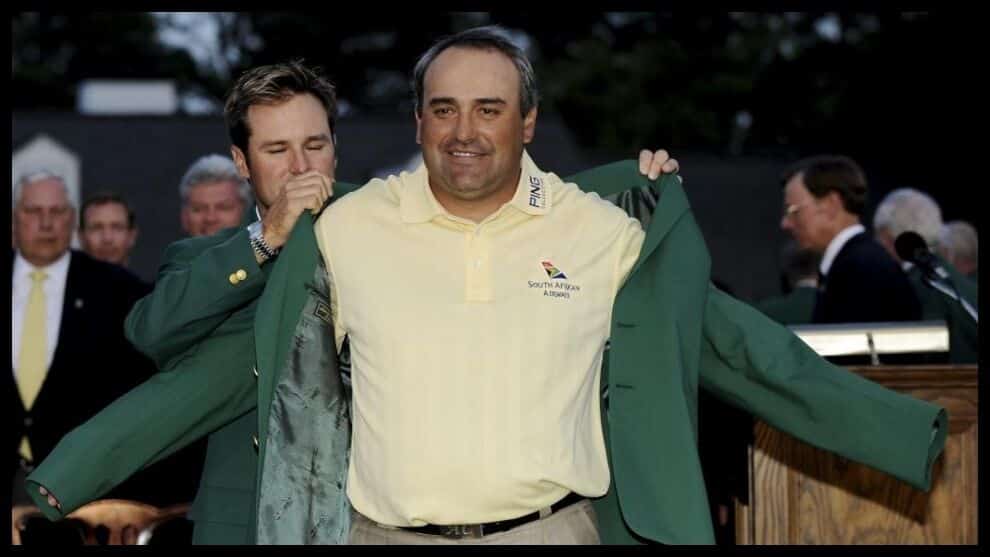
(910, 210)
(958, 243)
(799, 270)
(670, 332)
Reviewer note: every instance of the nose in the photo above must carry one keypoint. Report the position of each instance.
(465, 130)
(299, 162)
(785, 223)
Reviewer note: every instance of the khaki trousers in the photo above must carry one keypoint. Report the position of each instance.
(573, 525)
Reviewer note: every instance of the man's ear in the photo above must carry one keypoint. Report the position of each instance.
(132, 238)
(529, 126)
(832, 204)
(240, 161)
(419, 131)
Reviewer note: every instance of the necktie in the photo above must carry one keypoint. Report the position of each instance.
(32, 364)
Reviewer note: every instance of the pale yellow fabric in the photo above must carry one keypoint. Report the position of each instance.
(475, 348)
(32, 365)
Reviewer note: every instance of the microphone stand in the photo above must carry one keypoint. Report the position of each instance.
(949, 289)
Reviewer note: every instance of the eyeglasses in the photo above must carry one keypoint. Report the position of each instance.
(792, 209)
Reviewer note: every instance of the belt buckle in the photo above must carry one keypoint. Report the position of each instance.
(458, 531)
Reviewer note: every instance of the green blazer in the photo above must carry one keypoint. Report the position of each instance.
(672, 332)
(197, 327)
(964, 337)
(794, 308)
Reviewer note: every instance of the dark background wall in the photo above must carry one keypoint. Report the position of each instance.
(736, 200)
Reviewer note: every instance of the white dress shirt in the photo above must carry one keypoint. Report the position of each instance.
(835, 246)
(54, 288)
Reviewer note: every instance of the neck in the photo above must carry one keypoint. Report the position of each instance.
(476, 210)
(841, 223)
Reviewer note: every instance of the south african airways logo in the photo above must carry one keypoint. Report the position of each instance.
(558, 286)
(552, 271)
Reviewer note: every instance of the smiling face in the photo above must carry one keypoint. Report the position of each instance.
(472, 129)
(211, 207)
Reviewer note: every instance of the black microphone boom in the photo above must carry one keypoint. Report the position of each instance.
(911, 247)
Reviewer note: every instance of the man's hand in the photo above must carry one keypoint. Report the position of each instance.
(306, 191)
(654, 164)
(51, 498)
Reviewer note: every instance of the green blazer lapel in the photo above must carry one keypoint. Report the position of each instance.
(279, 309)
(623, 175)
(281, 305)
(672, 205)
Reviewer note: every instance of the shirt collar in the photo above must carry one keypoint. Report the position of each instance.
(417, 203)
(835, 246)
(59, 267)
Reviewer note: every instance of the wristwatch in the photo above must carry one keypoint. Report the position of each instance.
(261, 247)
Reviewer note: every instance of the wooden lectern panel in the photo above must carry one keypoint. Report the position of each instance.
(803, 495)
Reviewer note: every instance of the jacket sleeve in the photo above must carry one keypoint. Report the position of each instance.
(162, 415)
(196, 290)
(758, 365)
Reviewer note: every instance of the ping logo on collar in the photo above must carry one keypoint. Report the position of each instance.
(552, 271)
(537, 197)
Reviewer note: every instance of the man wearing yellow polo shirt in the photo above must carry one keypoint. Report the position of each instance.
(467, 407)
(478, 304)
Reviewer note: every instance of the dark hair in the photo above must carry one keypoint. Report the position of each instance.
(103, 198)
(273, 84)
(491, 37)
(824, 173)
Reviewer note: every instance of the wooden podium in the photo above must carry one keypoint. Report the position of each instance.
(799, 494)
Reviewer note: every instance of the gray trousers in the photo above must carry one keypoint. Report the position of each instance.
(573, 525)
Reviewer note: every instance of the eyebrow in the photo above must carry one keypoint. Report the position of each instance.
(483, 100)
(317, 137)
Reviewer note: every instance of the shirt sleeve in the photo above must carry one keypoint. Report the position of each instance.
(322, 240)
(628, 244)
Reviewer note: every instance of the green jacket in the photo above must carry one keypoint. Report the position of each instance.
(794, 308)
(672, 332)
(964, 339)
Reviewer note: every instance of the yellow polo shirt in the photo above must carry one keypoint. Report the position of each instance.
(475, 348)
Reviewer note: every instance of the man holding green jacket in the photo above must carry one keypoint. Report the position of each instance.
(631, 409)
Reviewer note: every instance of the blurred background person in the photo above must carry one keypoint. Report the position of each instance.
(69, 357)
(909, 210)
(958, 244)
(107, 228)
(859, 282)
(799, 279)
(214, 196)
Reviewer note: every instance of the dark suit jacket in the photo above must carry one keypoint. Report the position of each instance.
(93, 362)
(865, 285)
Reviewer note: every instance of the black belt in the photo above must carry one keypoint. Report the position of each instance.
(488, 528)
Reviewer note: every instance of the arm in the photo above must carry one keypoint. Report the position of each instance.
(166, 413)
(193, 294)
(760, 366)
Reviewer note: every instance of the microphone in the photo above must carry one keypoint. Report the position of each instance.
(911, 247)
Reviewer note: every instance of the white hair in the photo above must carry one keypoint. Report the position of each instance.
(958, 239)
(214, 168)
(37, 175)
(907, 209)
